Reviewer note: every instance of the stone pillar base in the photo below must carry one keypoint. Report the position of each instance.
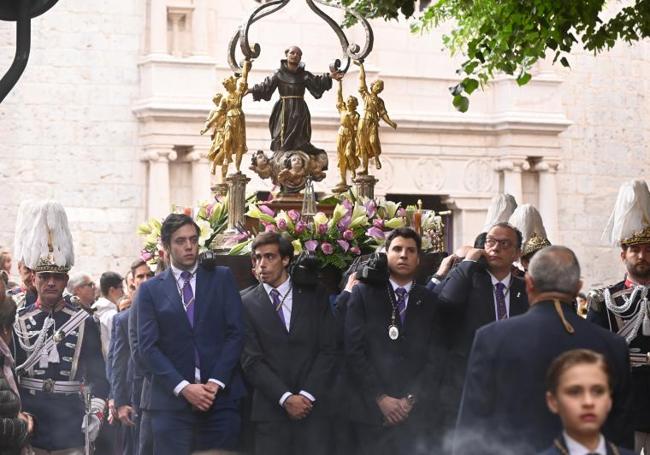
(365, 184)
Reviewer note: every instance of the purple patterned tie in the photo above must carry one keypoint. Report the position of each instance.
(277, 306)
(188, 303)
(502, 312)
(401, 303)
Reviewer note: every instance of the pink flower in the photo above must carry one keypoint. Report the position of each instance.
(401, 211)
(347, 204)
(371, 208)
(145, 255)
(208, 210)
(266, 209)
(344, 245)
(375, 232)
(327, 248)
(294, 215)
(282, 224)
(271, 228)
(311, 245)
(322, 229)
(345, 222)
(300, 227)
(355, 250)
(348, 235)
(378, 223)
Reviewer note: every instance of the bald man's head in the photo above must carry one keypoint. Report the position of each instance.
(555, 269)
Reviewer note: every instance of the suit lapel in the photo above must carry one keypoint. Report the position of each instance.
(413, 306)
(267, 310)
(170, 289)
(517, 305)
(488, 310)
(203, 279)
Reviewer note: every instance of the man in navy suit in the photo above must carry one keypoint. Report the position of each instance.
(503, 408)
(479, 290)
(190, 338)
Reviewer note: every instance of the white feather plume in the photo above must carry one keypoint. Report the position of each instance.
(631, 212)
(24, 220)
(528, 220)
(501, 208)
(49, 219)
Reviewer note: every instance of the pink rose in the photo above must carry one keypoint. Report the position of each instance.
(355, 250)
(145, 255)
(271, 228)
(348, 235)
(322, 229)
(282, 224)
(311, 245)
(327, 248)
(300, 227)
(294, 215)
(344, 245)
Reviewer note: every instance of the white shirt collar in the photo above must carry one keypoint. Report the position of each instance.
(505, 281)
(282, 289)
(575, 448)
(177, 272)
(405, 286)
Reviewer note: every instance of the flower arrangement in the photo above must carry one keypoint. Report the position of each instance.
(354, 228)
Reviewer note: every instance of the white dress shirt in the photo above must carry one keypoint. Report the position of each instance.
(286, 297)
(506, 291)
(575, 448)
(105, 310)
(179, 284)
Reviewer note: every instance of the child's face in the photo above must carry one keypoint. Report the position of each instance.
(582, 399)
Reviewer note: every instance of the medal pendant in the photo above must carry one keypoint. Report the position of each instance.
(393, 332)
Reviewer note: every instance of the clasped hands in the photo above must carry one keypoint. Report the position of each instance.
(395, 410)
(201, 396)
(298, 407)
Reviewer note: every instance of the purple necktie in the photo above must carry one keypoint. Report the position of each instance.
(277, 306)
(502, 312)
(188, 303)
(401, 303)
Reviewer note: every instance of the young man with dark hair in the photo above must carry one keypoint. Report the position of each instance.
(112, 290)
(393, 356)
(289, 355)
(189, 338)
(479, 290)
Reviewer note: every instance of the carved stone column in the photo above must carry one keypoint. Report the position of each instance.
(158, 185)
(547, 169)
(236, 199)
(200, 174)
(512, 181)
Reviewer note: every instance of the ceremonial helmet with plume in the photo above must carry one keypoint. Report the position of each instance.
(629, 223)
(528, 220)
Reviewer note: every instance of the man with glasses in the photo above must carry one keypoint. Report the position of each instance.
(82, 287)
(480, 290)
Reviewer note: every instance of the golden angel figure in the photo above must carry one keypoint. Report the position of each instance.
(216, 120)
(368, 145)
(233, 140)
(346, 140)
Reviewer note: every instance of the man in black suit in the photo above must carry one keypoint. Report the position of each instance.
(289, 355)
(503, 408)
(393, 356)
(479, 290)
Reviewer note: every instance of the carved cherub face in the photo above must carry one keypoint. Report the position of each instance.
(352, 103)
(261, 159)
(377, 86)
(296, 162)
(217, 98)
(230, 83)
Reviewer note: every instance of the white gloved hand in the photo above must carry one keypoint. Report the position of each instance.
(93, 428)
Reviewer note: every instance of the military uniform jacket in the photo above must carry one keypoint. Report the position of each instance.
(59, 416)
(640, 380)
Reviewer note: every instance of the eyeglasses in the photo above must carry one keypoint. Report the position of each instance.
(503, 243)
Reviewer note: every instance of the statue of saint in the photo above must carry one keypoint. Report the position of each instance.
(290, 121)
(368, 145)
(232, 139)
(294, 174)
(346, 141)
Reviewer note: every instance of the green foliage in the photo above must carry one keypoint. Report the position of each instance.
(509, 36)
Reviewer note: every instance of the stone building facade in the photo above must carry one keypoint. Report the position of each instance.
(107, 115)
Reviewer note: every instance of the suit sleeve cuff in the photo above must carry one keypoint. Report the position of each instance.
(435, 280)
(470, 260)
(179, 388)
(284, 398)
(307, 395)
(219, 383)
